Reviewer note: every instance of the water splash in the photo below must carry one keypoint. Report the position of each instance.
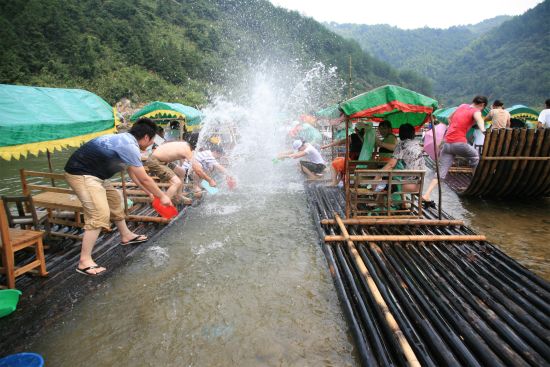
(261, 117)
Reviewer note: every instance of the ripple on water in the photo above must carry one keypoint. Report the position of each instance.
(157, 255)
(203, 249)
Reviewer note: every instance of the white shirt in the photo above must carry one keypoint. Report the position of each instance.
(479, 137)
(206, 159)
(544, 118)
(313, 155)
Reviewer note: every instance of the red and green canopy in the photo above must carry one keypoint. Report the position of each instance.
(392, 103)
(329, 113)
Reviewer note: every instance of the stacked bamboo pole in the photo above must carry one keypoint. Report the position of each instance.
(437, 302)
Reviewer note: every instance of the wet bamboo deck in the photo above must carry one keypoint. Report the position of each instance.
(514, 163)
(435, 303)
(46, 300)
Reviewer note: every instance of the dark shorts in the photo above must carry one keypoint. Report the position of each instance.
(313, 167)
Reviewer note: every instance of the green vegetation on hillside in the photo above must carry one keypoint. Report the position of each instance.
(509, 62)
(170, 49)
(424, 50)
(503, 57)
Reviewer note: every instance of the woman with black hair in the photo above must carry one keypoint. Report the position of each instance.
(386, 145)
(409, 152)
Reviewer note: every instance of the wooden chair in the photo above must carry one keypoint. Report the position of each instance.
(366, 201)
(61, 203)
(24, 218)
(14, 240)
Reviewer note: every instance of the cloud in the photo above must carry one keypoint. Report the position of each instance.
(407, 14)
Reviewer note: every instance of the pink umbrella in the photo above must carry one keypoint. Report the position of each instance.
(429, 141)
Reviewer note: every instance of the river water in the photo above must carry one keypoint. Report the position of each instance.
(242, 280)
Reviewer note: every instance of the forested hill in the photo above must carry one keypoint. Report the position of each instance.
(425, 50)
(509, 62)
(172, 50)
(504, 57)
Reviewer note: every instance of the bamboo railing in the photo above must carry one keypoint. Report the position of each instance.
(513, 163)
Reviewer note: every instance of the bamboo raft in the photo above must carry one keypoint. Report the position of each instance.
(513, 163)
(430, 292)
(46, 300)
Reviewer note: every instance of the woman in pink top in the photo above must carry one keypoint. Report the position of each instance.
(455, 142)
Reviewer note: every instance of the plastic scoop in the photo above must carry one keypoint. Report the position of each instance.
(208, 188)
(165, 211)
(231, 182)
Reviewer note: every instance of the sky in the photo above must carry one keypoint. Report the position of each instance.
(407, 14)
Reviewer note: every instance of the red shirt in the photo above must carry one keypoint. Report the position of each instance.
(462, 120)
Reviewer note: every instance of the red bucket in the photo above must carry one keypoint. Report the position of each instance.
(165, 211)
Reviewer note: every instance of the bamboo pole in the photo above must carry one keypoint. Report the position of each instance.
(140, 199)
(461, 170)
(132, 184)
(67, 235)
(124, 193)
(398, 334)
(441, 340)
(406, 238)
(516, 158)
(396, 221)
(146, 218)
(50, 165)
(348, 174)
(417, 279)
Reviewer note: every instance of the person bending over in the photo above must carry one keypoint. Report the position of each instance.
(209, 162)
(88, 171)
(164, 157)
(314, 164)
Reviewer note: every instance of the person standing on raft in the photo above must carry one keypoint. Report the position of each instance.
(455, 142)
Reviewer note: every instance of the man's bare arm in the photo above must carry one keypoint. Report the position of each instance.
(148, 184)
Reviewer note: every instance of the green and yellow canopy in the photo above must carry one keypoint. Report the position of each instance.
(35, 119)
(170, 111)
(524, 113)
(392, 103)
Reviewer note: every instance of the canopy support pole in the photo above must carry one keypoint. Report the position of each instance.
(347, 175)
(48, 154)
(436, 168)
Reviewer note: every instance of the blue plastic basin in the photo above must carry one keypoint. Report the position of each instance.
(22, 360)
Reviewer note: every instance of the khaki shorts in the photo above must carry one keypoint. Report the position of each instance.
(101, 202)
(159, 169)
